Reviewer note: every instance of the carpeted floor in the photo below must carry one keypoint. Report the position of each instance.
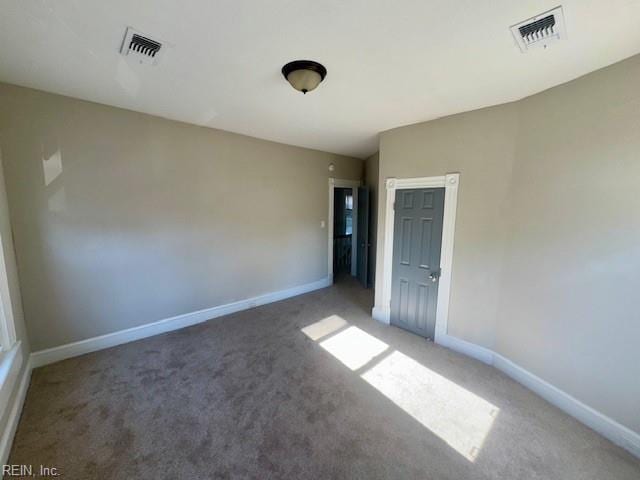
(307, 388)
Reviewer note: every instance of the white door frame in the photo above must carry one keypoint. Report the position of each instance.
(450, 182)
(353, 185)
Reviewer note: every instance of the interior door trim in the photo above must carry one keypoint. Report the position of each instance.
(382, 309)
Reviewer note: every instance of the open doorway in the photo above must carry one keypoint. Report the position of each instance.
(343, 237)
(348, 231)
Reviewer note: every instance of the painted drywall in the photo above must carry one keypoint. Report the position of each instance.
(569, 309)
(546, 255)
(14, 293)
(480, 145)
(371, 176)
(122, 219)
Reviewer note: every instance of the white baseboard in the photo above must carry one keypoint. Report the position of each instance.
(14, 415)
(55, 354)
(605, 426)
(466, 348)
(381, 314)
(599, 422)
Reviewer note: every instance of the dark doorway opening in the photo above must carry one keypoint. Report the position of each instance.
(342, 232)
(351, 233)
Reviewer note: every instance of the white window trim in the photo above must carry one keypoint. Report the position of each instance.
(450, 182)
(340, 183)
(7, 323)
(11, 355)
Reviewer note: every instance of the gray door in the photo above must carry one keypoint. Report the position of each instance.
(417, 238)
(363, 236)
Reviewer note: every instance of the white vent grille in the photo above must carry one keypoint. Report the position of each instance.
(141, 47)
(541, 30)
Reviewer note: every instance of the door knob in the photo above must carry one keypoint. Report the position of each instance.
(434, 276)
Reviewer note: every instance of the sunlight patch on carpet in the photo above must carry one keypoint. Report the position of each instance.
(459, 417)
(354, 347)
(324, 327)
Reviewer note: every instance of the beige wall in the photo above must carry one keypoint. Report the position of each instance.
(569, 310)
(546, 255)
(372, 178)
(480, 145)
(150, 218)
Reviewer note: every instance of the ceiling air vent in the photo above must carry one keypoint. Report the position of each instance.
(141, 48)
(540, 31)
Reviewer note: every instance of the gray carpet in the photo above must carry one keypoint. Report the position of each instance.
(306, 388)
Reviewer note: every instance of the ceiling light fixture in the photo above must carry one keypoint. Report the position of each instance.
(304, 75)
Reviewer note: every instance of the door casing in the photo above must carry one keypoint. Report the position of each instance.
(382, 309)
